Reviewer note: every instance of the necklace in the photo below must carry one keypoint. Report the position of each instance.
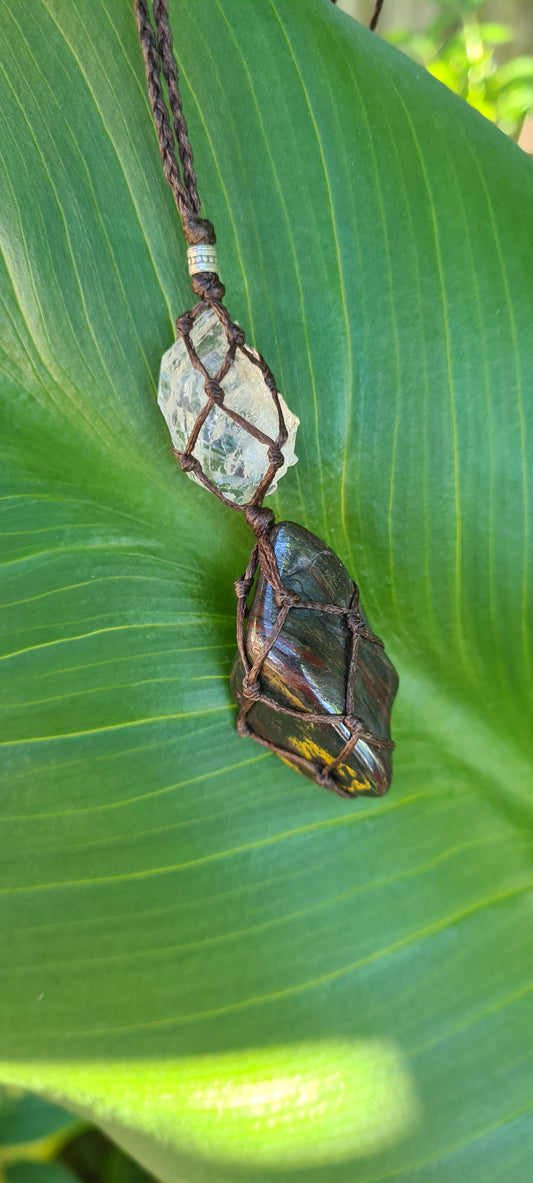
(311, 680)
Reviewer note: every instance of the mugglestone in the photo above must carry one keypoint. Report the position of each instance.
(307, 667)
(228, 454)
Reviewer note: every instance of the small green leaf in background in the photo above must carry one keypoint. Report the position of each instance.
(33, 1129)
(38, 1172)
(26, 1118)
(41, 1143)
(238, 976)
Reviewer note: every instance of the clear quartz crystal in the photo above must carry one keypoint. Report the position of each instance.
(229, 455)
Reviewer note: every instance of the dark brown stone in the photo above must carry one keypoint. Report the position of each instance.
(307, 669)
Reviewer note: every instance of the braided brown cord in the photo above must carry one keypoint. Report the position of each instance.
(170, 74)
(158, 54)
(186, 201)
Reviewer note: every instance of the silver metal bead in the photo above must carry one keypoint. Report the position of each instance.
(202, 258)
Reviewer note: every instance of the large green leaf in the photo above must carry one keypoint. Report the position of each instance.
(231, 970)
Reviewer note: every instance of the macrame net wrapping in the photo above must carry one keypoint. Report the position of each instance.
(287, 600)
(209, 286)
(263, 557)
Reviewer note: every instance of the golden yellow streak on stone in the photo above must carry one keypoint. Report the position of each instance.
(319, 756)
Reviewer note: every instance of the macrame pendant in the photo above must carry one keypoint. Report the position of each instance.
(311, 679)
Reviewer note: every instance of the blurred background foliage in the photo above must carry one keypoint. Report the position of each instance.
(483, 51)
(41, 1143)
(480, 49)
